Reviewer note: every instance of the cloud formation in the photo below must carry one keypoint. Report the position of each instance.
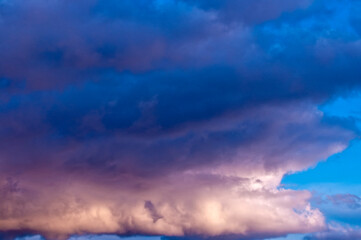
(207, 181)
(168, 117)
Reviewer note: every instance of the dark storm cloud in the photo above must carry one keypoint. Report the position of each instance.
(138, 112)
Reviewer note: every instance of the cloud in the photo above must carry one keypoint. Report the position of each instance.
(203, 181)
(196, 210)
(341, 208)
(75, 42)
(250, 12)
(175, 118)
(350, 200)
(337, 232)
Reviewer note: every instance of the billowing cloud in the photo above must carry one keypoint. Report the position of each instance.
(168, 117)
(210, 180)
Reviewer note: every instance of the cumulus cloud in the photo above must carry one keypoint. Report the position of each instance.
(175, 118)
(192, 183)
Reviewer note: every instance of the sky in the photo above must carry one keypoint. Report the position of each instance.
(180, 120)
